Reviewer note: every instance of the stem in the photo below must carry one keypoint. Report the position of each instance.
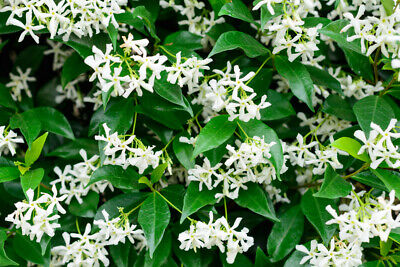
(240, 127)
(45, 186)
(77, 226)
(365, 166)
(376, 65)
(388, 86)
(259, 69)
(172, 205)
(135, 208)
(226, 210)
(134, 121)
(170, 141)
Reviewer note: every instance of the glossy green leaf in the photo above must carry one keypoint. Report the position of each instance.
(315, 211)
(280, 107)
(352, 147)
(161, 254)
(360, 64)
(154, 216)
(334, 185)
(71, 149)
(323, 78)
(8, 173)
(372, 109)
(216, 132)
(72, 68)
(33, 152)
(234, 39)
(196, 199)
(4, 259)
(183, 40)
(217, 4)
(119, 177)
(368, 178)
(113, 34)
(31, 179)
(299, 79)
(183, 152)
(120, 253)
(390, 179)
(5, 98)
(158, 172)
(266, 15)
(339, 107)
(255, 199)
(286, 234)
(32, 250)
(236, 9)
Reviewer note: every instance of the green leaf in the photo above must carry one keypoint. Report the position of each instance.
(31, 122)
(323, 78)
(126, 201)
(299, 79)
(8, 173)
(118, 116)
(183, 152)
(390, 179)
(31, 57)
(389, 6)
(280, 107)
(360, 64)
(140, 18)
(315, 212)
(5, 98)
(255, 199)
(33, 152)
(216, 132)
(261, 258)
(236, 9)
(158, 172)
(71, 149)
(217, 4)
(286, 234)
(183, 40)
(154, 217)
(4, 259)
(31, 179)
(195, 199)
(333, 30)
(200, 258)
(119, 177)
(120, 253)
(83, 45)
(339, 107)
(161, 254)
(72, 68)
(368, 178)
(334, 185)
(373, 109)
(385, 247)
(31, 250)
(258, 128)
(171, 92)
(234, 39)
(113, 34)
(266, 15)
(295, 258)
(87, 208)
(5, 29)
(352, 147)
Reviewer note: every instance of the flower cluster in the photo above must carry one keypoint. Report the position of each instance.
(74, 179)
(199, 24)
(8, 141)
(379, 145)
(218, 233)
(251, 162)
(90, 248)
(230, 93)
(37, 217)
(363, 218)
(286, 30)
(19, 83)
(81, 18)
(130, 152)
(314, 154)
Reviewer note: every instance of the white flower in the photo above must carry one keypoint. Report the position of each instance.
(28, 27)
(8, 141)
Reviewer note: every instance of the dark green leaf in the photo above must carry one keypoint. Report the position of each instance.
(360, 64)
(315, 212)
(255, 199)
(8, 173)
(323, 78)
(236, 9)
(183, 40)
(286, 234)
(183, 152)
(30, 57)
(113, 34)
(120, 254)
(390, 179)
(299, 79)
(195, 199)
(216, 132)
(6, 99)
(339, 107)
(4, 259)
(119, 177)
(280, 107)
(72, 68)
(71, 149)
(234, 39)
(217, 4)
(161, 253)
(372, 109)
(369, 179)
(154, 217)
(334, 185)
(31, 250)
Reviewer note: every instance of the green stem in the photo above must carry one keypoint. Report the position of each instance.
(226, 209)
(259, 69)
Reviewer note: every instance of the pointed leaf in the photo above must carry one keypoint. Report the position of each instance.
(117, 176)
(334, 185)
(31, 179)
(33, 152)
